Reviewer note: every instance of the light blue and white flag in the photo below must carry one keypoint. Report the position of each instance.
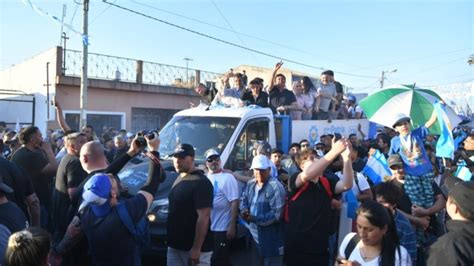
(376, 168)
(445, 144)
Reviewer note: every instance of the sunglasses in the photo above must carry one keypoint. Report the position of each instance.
(213, 159)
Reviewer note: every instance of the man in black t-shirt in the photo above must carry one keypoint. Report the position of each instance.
(24, 193)
(70, 174)
(281, 99)
(190, 203)
(36, 158)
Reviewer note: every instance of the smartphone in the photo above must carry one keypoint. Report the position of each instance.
(337, 136)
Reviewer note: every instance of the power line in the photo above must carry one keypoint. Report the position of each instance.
(230, 43)
(243, 34)
(232, 28)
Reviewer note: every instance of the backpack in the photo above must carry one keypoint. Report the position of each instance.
(351, 246)
(327, 188)
(140, 231)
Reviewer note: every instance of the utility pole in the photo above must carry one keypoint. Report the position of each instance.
(62, 20)
(84, 81)
(187, 68)
(65, 38)
(383, 76)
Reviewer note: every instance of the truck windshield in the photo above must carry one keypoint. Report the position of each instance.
(201, 132)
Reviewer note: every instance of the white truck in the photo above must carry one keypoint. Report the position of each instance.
(234, 130)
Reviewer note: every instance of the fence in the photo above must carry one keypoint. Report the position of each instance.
(130, 70)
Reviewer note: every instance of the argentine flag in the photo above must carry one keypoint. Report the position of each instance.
(376, 168)
(445, 144)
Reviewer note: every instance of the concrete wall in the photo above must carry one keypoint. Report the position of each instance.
(29, 77)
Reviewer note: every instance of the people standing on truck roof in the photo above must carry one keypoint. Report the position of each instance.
(304, 101)
(281, 99)
(325, 98)
(255, 95)
(190, 203)
(225, 208)
(261, 206)
(231, 96)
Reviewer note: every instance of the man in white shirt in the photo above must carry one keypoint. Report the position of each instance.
(224, 210)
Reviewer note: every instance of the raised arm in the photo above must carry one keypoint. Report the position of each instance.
(59, 116)
(348, 180)
(312, 171)
(272, 79)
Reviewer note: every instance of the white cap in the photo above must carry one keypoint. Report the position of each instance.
(399, 118)
(260, 162)
(211, 152)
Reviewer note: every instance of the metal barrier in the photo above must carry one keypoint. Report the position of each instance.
(130, 70)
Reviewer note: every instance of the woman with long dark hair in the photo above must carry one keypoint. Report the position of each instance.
(376, 241)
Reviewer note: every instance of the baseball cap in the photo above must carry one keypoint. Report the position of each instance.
(260, 162)
(394, 160)
(461, 191)
(351, 98)
(96, 193)
(400, 118)
(183, 150)
(212, 152)
(4, 187)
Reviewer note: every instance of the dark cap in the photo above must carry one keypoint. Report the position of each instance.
(4, 187)
(394, 160)
(461, 191)
(183, 150)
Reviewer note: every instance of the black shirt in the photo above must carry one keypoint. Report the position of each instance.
(209, 95)
(69, 175)
(14, 177)
(310, 218)
(282, 98)
(339, 88)
(33, 162)
(12, 217)
(189, 193)
(110, 242)
(262, 99)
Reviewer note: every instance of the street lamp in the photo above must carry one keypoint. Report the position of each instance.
(383, 75)
(187, 67)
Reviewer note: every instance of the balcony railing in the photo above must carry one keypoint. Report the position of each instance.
(130, 70)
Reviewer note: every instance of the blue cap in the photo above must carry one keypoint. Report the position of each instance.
(96, 193)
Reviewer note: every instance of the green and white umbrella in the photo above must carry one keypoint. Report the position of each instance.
(382, 106)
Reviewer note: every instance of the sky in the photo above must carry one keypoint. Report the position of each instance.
(428, 42)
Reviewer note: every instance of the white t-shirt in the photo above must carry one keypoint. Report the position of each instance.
(353, 110)
(226, 190)
(363, 184)
(356, 255)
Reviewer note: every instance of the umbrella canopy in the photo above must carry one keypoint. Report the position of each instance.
(383, 106)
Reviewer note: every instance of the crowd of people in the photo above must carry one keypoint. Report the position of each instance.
(303, 101)
(61, 204)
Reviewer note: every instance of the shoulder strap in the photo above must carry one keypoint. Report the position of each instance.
(351, 246)
(125, 217)
(356, 180)
(326, 185)
(300, 191)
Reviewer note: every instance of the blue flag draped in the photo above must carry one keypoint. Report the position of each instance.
(445, 144)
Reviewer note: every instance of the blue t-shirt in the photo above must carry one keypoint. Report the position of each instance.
(412, 151)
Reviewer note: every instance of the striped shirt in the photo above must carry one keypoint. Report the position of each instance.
(405, 234)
